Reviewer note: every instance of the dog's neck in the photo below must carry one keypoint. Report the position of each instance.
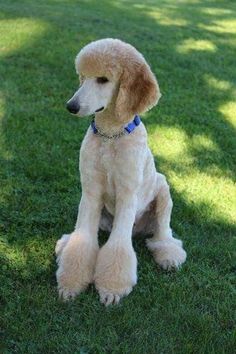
(108, 122)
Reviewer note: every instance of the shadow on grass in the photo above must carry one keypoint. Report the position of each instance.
(194, 63)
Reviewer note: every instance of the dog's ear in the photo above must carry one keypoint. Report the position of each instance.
(138, 92)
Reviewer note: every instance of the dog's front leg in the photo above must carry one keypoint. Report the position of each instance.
(77, 252)
(116, 267)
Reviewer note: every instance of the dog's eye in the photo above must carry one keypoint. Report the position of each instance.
(102, 80)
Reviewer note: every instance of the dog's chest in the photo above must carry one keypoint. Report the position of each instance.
(107, 156)
(107, 161)
(108, 164)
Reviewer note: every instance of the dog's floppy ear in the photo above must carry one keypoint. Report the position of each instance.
(138, 92)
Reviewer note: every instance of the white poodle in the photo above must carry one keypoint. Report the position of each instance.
(122, 192)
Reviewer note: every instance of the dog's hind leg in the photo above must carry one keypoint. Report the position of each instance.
(167, 250)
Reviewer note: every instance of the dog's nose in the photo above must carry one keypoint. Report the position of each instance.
(73, 107)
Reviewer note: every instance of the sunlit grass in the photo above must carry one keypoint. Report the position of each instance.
(216, 11)
(189, 45)
(229, 111)
(221, 26)
(194, 188)
(166, 18)
(169, 143)
(217, 84)
(176, 149)
(18, 32)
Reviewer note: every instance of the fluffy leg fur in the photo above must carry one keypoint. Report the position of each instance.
(76, 257)
(60, 245)
(77, 253)
(115, 273)
(167, 250)
(116, 267)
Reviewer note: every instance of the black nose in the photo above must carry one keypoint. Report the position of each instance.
(73, 107)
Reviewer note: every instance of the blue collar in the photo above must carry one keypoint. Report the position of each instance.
(128, 129)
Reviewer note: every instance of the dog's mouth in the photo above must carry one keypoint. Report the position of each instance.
(99, 109)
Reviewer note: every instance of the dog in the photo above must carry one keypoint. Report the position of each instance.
(122, 192)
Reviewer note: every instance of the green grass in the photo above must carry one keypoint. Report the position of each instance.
(191, 47)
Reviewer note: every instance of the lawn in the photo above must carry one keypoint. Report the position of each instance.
(191, 47)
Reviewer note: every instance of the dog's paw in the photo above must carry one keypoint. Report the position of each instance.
(108, 297)
(115, 273)
(76, 263)
(169, 254)
(69, 293)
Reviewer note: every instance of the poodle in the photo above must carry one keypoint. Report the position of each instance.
(122, 192)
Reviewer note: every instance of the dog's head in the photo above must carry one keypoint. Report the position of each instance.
(113, 72)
